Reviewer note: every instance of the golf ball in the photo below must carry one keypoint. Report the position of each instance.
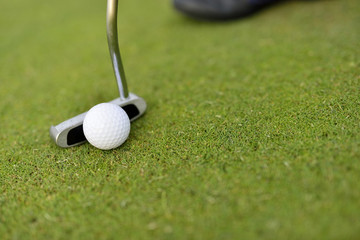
(106, 126)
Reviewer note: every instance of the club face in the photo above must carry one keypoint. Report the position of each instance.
(70, 132)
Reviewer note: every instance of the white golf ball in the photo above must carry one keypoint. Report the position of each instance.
(106, 126)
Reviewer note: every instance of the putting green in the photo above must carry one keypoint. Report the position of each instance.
(252, 128)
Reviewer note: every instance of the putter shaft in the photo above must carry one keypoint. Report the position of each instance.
(112, 36)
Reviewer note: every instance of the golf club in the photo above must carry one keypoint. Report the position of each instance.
(70, 132)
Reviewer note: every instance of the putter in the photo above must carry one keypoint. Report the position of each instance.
(70, 132)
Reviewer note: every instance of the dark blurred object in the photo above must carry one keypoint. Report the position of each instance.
(220, 9)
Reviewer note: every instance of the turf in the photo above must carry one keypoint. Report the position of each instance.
(252, 128)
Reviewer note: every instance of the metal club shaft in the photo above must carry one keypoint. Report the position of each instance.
(112, 36)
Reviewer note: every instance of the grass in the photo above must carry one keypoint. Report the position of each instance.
(252, 129)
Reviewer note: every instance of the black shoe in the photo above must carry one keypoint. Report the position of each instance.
(220, 9)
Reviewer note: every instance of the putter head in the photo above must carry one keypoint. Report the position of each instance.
(70, 132)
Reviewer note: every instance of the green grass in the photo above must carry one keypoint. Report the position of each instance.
(252, 129)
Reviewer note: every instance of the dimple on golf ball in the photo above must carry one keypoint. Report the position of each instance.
(106, 126)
